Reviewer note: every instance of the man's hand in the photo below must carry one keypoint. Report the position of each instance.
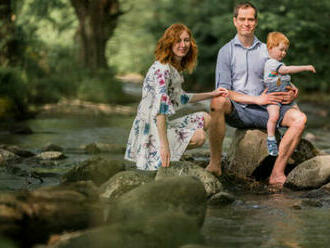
(271, 98)
(290, 95)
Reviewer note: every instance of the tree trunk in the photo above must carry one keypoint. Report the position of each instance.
(97, 22)
(8, 40)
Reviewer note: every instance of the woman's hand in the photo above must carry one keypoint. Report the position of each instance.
(220, 92)
(165, 155)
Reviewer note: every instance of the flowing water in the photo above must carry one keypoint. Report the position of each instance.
(253, 220)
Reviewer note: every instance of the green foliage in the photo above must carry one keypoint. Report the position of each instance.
(13, 93)
(212, 26)
(47, 67)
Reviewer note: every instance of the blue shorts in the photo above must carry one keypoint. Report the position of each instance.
(252, 115)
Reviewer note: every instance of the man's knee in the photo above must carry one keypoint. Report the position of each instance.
(220, 104)
(297, 119)
(300, 120)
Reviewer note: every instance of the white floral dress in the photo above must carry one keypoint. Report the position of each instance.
(161, 94)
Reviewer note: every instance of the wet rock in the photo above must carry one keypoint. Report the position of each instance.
(30, 217)
(221, 199)
(17, 150)
(311, 174)
(97, 169)
(326, 188)
(175, 194)
(211, 183)
(52, 147)
(164, 230)
(304, 151)
(312, 203)
(247, 151)
(248, 156)
(123, 182)
(6, 156)
(95, 148)
(51, 155)
(310, 137)
(297, 205)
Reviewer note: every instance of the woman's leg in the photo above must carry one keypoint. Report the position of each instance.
(199, 136)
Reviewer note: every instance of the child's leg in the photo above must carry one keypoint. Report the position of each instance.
(273, 115)
(273, 112)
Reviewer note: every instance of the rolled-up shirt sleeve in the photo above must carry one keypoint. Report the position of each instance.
(223, 69)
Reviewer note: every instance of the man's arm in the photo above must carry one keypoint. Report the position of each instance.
(263, 99)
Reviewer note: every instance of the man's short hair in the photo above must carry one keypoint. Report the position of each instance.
(245, 5)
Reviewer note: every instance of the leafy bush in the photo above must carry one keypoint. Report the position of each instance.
(13, 93)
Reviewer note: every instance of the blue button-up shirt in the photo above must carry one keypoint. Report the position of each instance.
(241, 69)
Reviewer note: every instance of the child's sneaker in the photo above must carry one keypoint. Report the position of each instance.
(272, 147)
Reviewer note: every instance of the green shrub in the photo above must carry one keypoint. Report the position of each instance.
(13, 93)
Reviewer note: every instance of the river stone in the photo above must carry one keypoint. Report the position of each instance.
(17, 150)
(311, 174)
(97, 169)
(178, 194)
(123, 182)
(211, 184)
(163, 230)
(95, 148)
(30, 217)
(221, 199)
(52, 155)
(52, 147)
(7, 156)
(248, 151)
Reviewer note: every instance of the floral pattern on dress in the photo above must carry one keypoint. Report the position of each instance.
(161, 94)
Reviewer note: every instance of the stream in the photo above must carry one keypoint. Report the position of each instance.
(252, 220)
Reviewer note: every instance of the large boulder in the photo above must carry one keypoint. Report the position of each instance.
(123, 182)
(164, 230)
(177, 194)
(310, 174)
(248, 156)
(30, 217)
(97, 169)
(211, 183)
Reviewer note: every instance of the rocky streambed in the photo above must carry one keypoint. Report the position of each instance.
(66, 185)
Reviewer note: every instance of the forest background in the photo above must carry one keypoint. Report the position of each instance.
(76, 49)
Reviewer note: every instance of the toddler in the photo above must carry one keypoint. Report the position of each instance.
(276, 79)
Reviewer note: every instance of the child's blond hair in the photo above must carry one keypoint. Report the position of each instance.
(276, 38)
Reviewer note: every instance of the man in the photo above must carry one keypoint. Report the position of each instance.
(239, 69)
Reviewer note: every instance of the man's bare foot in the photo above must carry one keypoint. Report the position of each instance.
(277, 180)
(215, 170)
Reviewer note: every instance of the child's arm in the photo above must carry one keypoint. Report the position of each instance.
(295, 69)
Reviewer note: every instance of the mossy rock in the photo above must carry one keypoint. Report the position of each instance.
(96, 169)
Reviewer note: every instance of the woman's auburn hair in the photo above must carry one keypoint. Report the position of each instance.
(164, 53)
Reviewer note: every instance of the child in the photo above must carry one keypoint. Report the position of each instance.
(277, 78)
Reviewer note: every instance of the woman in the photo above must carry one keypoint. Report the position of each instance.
(154, 140)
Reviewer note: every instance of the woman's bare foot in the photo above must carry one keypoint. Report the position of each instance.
(215, 170)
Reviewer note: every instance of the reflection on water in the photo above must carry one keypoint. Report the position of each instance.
(72, 132)
(267, 221)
